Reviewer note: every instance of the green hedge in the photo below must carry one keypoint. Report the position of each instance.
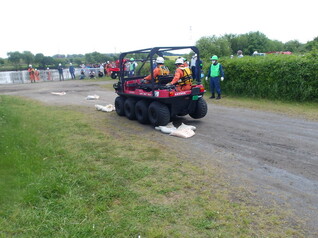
(283, 77)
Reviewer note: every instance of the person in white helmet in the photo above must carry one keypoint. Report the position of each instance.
(31, 74)
(60, 69)
(160, 70)
(72, 71)
(182, 77)
(107, 68)
(48, 73)
(193, 63)
(37, 74)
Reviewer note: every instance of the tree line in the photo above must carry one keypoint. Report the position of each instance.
(17, 60)
(229, 44)
(223, 46)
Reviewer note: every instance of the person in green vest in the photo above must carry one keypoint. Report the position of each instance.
(132, 67)
(215, 74)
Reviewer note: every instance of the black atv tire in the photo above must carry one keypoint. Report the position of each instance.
(113, 75)
(119, 105)
(158, 113)
(200, 110)
(129, 107)
(141, 111)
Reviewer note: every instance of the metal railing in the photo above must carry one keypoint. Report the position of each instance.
(11, 77)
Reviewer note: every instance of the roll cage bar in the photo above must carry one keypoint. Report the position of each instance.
(158, 51)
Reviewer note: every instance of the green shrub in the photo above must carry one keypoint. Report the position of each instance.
(283, 77)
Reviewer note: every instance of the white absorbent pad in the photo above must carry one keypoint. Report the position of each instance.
(58, 93)
(183, 131)
(184, 126)
(107, 108)
(92, 97)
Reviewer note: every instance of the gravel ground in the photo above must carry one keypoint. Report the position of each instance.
(274, 156)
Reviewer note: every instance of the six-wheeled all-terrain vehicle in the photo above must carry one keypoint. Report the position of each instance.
(154, 102)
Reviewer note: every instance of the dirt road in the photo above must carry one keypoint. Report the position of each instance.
(274, 156)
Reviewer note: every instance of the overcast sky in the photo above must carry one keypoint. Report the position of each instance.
(79, 27)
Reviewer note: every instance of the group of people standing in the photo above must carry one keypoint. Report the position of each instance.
(130, 67)
(34, 74)
(215, 74)
(71, 70)
(182, 78)
(184, 74)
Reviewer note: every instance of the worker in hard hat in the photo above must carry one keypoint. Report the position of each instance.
(36, 74)
(160, 70)
(132, 67)
(182, 77)
(31, 74)
(107, 68)
(72, 71)
(193, 63)
(215, 74)
(60, 69)
(48, 73)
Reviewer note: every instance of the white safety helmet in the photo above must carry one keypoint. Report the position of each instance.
(70, 63)
(60, 64)
(160, 60)
(30, 65)
(179, 61)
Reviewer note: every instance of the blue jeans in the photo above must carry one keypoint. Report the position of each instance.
(215, 85)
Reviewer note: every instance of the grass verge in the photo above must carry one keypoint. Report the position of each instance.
(61, 176)
(304, 110)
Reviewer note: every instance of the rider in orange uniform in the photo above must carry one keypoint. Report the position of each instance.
(159, 70)
(182, 77)
(31, 74)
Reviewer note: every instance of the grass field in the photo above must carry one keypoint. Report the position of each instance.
(62, 176)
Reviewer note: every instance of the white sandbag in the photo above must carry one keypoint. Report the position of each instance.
(92, 97)
(58, 93)
(166, 129)
(184, 126)
(108, 108)
(99, 107)
(183, 133)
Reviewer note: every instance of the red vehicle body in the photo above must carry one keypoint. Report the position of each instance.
(156, 103)
(115, 70)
